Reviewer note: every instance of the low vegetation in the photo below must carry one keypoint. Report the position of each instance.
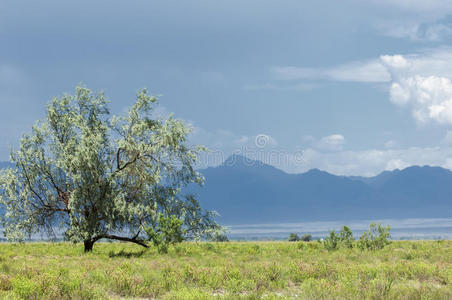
(293, 237)
(376, 238)
(231, 270)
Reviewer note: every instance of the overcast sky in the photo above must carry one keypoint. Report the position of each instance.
(351, 87)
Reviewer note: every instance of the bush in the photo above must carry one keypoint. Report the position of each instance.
(332, 241)
(343, 239)
(346, 237)
(293, 237)
(376, 238)
(306, 238)
(219, 237)
(169, 232)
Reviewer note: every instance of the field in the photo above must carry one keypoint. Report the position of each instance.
(233, 270)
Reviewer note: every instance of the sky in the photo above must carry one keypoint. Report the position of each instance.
(352, 87)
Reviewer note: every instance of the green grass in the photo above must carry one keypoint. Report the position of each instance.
(234, 270)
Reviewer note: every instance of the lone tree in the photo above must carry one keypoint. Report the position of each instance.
(93, 176)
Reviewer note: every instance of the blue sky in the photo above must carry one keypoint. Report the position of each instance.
(351, 87)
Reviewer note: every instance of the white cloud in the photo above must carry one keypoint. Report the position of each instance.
(371, 162)
(396, 163)
(302, 86)
(391, 144)
(395, 61)
(437, 62)
(436, 32)
(370, 71)
(430, 8)
(326, 153)
(430, 97)
(334, 142)
(448, 163)
(358, 71)
(422, 83)
(419, 21)
(415, 30)
(447, 140)
(221, 139)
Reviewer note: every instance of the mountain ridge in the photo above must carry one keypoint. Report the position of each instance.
(245, 191)
(256, 192)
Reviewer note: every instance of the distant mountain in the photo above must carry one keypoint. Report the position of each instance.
(244, 191)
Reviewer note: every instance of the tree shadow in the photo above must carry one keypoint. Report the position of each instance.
(126, 254)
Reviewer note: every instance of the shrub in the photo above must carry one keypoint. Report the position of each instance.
(219, 237)
(26, 288)
(343, 239)
(376, 238)
(170, 232)
(293, 237)
(346, 237)
(332, 241)
(5, 283)
(306, 237)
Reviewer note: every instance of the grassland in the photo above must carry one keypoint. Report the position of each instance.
(234, 270)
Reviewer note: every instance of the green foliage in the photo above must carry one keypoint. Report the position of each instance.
(332, 241)
(293, 237)
(98, 176)
(166, 231)
(219, 237)
(346, 237)
(376, 238)
(306, 237)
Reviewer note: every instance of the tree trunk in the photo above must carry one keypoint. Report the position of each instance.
(88, 245)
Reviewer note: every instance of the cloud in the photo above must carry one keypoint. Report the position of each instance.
(432, 8)
(303, 86)
(221, 139)
(396, 164)
(447, 140)
(223, 143)
(416, 31)
(430, 97)
(373, 161)
(357, 71)
(370, 71)
(420, 21)
(433, 62)
(326, 153)
(391, 144)
(421, 82)
(334, 142)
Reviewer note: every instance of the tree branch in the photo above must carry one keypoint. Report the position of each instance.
(120, 238)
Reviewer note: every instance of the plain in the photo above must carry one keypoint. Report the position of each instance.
(230, 270)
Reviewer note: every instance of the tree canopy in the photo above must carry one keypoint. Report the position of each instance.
(91, 175)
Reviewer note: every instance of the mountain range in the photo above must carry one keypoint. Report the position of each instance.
(245, 191)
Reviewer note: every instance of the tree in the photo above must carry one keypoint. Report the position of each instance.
(95, 177)
(306, 237)
(293, 237)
